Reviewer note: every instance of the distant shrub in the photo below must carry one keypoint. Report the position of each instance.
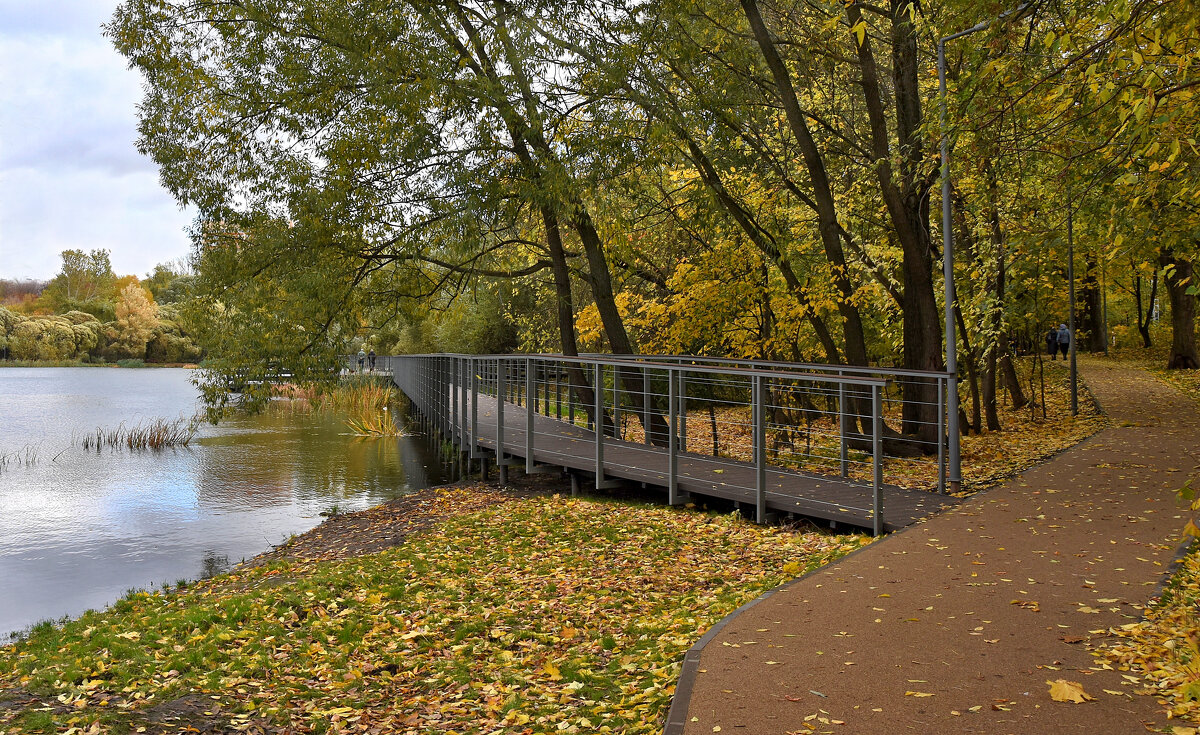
(131, 363)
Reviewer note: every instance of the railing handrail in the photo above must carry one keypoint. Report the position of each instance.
(617, 361)
(818, 366)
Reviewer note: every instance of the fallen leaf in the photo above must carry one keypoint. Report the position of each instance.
(1062, 690)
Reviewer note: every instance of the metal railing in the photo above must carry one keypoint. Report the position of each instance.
(914, 411)
(815, 421)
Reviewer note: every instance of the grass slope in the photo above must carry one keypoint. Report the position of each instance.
(541, 615)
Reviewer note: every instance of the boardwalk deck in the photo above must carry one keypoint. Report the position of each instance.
(560, 444)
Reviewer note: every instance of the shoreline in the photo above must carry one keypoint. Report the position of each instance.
(389, 524)
(71, 364)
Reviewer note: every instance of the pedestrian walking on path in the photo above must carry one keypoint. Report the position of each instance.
(956, 624)
(1064, 340)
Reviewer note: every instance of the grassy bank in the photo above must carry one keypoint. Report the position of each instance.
(1160, 655)
(538, 615)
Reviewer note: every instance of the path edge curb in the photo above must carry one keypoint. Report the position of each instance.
(681, 700)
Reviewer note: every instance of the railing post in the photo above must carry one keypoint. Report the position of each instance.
(672, 442)
(530, 408)
(599, 420)
(571, 397)
(646, 405)
(501, 397)
(683, 411)
(616, 403)
(474, 388)
(758, 411)
(464, 403)
(941, 391)
(877, 458)
(455, 437)
(843, 455)
(558, 391)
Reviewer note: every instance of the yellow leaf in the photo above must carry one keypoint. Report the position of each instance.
(917, 694)
(132, 635)
(1062, 690)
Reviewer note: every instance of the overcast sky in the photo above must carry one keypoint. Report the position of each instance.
(70, 176)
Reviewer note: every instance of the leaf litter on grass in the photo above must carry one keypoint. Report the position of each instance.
(544, 614)
(1159, 656)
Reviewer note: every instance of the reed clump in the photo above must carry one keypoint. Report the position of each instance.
(356, 397)
(156, 434)
(374, 422)
(27, 456)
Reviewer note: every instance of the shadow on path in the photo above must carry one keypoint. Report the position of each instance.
(956, 624)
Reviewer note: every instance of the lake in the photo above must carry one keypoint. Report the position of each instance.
(80, 528)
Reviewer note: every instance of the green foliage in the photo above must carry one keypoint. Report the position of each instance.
(364, 176)
(84, 280)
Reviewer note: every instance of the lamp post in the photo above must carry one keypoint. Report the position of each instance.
(948, 257)
(1071, 306)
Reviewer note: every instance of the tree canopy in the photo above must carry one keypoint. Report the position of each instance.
(751, 178)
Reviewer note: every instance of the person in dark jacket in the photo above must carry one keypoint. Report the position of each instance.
(1052, 342)
(1064, 340)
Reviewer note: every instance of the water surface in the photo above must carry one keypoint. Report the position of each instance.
(79, 528)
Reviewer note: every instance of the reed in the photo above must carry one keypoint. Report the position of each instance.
(27, 456)
(374, 422)
(357, 396)
(156, 434)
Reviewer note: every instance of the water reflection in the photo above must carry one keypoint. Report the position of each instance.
(81, 528)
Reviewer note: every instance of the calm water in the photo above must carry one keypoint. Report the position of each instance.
(78, 529)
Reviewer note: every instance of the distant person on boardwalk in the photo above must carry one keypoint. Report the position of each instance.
(371, 359)
(362, 357)
(1052, 343)
(1064, 340)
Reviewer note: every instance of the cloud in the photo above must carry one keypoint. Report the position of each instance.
(70, 174)
(61, 18)
(68, 106)
(44, 213)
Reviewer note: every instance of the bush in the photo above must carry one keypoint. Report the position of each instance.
(131, 363)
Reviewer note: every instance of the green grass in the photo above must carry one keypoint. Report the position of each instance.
(523, 616)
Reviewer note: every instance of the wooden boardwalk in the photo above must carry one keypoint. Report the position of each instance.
(561, 444)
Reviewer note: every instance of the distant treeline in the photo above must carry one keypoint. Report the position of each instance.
(89, 314)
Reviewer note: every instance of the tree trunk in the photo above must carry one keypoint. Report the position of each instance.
(990, 368)
(1178, 276)
(908, 208)
(1011, 382)
(971, 361)
(564, 300)
(852, 327)
(653, 422)
(1143, 322)
(1092, 311)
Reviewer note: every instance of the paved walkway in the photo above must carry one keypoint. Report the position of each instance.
(956, 624)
